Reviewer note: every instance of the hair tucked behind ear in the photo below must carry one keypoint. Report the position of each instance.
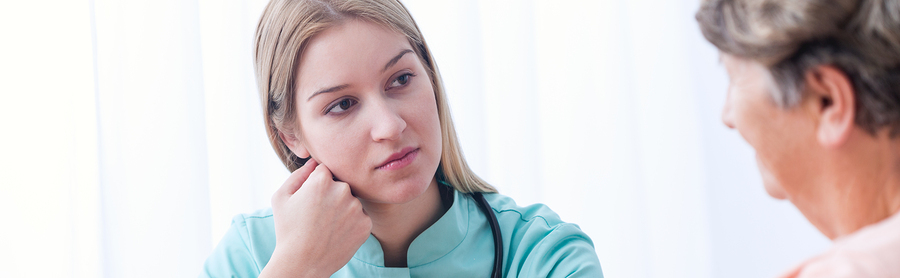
(284, 30)
(790, 37)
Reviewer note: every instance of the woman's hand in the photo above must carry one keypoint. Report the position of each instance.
(319, 225)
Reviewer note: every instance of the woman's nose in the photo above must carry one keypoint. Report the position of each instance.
(387, 124)
(727, 117)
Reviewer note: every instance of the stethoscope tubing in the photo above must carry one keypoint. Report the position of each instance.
(495, 230)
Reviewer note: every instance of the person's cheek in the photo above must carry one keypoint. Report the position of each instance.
(741, 118)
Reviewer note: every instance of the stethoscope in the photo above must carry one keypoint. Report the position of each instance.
(495, 230)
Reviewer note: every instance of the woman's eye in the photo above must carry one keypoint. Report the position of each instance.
(401, 80)
(342, 105)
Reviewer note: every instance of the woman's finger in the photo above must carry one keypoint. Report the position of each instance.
(295, 180)
(321, 173)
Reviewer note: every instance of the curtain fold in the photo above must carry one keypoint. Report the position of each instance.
(152, 138)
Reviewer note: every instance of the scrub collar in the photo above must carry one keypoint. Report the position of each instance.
(432, 244)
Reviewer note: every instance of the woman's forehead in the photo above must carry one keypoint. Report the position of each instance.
(353, 50)
(354, 41)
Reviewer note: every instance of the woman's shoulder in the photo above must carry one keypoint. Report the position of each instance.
(246, 247)
(537, 215)
(873, 251)
(258, 217)
(539, 242)
(256, 230)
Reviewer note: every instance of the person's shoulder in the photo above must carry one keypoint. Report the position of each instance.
(533, 216)
(258, 217)
(873, 251)
(541, 244)
(245, 248)
(256, 229)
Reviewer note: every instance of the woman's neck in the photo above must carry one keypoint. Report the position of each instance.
(397, 225)
(863, 205)
(862, 189)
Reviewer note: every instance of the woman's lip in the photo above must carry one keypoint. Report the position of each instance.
(399, 159)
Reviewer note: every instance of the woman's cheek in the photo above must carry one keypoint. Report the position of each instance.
(331, 147)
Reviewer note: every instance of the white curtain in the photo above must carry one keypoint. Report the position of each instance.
(132, 133)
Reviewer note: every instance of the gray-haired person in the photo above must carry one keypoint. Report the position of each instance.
(815, 89)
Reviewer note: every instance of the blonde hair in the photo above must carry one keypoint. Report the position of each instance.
(284, 30)
(789, 37)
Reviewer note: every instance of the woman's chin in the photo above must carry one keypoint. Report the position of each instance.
(770, 183)
(397, 193)
(774, 190)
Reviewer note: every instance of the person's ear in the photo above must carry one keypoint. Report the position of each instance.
(833, 100)
(294, 144)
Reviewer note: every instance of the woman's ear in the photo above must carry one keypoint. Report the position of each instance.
(834, 103)
(294, 144)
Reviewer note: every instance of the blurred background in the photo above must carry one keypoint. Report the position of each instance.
(132, 133)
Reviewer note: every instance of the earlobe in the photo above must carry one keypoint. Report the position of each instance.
(294, 144)
(835, 100)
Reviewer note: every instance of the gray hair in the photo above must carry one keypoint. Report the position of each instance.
(789, 37)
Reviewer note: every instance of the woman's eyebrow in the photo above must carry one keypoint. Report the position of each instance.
(395, 59)
(390, 63)
(328, 90)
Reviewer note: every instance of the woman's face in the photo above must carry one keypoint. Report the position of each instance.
(783, 138)
(367, 111)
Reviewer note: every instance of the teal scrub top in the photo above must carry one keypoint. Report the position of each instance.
(536, 243)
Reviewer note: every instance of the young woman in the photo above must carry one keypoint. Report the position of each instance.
(354, 107)
(815, 89)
